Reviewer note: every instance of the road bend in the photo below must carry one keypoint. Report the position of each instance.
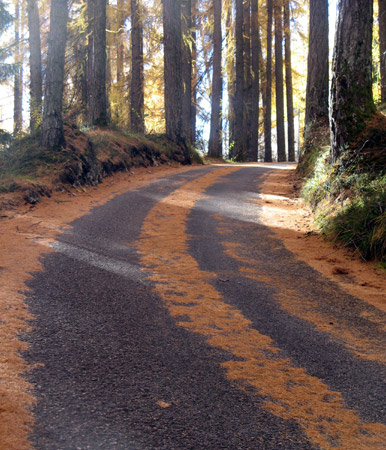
(172, 318)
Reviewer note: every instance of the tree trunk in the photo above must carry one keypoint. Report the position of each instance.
(186, 68)
(288, 82)
(255, 40)
(382, 46)
(193, 112)
(97, 63)
(230, 72)
(239, 95)
(172, 71)
(120, 33)
(18, 76)
(317, 66)
(247, 79)
(215, 139)
(280, 133)
(35, 61)
(52, 127)
(268, 91)
(351, 92)
(137, 77)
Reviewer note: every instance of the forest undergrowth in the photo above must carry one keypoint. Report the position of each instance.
(348, 197)
(29, 172)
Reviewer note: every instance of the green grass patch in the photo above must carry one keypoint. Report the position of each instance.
(349, 197)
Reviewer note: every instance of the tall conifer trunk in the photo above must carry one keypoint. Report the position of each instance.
(193, 113)
(97, 63)
(239, 95)
(18, 76)
(280, 134)
(52, 126)
(288, 83)
(317, 65)
(351, 92)
(137, 76)
(255, 41)
(186, 10)
(120, 34)
(268, 89)
(230, 73)
(215, 144)
(382, 46)
(35, 63)
(172, 72)
(247, 78)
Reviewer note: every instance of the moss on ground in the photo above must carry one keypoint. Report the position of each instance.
(31, 171)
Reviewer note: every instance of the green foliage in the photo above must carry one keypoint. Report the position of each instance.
(5, 17)
(349, 201)
(361, 222)
(195, 156)
(25, 157)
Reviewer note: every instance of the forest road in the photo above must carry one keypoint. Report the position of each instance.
(171, 317)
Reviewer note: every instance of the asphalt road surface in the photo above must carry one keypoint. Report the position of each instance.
(171, 318)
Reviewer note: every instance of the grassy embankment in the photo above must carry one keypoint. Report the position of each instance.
(349, 197)
(29, 172)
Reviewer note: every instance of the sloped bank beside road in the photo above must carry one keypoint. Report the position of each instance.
(29, 172)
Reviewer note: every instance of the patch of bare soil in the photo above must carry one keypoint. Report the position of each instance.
(292, 222)
(24, 232)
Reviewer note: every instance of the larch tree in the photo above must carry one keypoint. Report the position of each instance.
(255, 69)
(382, 46)
(121, 18)
(52, 125)
(230, 73)
(351, 91)
(288, 83)
(18, 74)
(239, 145)
(280, 133)
(35, 64)
(186, 68)
(247, 78)
(137, 120)
(317, 65)
(172, 73)
(193, 113)
(268, 88)
(215, 138)
(97, 63)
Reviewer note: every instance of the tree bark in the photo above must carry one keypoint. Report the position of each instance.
(268, 92)
(193, 112)
(351, 92)
(382, 46)
(137, 76)
(280, 133)
(173, 73)
(97, 63)
(230, 73)
(255, 41)
(239, 95)
(18, 76)
(186, 68)
(35, 61)
(317, 65)
(247, 79)
(120, 33)
(215, 139)
(288, 82)
(52, 126)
